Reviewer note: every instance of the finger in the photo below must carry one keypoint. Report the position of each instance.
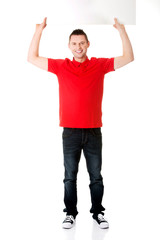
(115, 19)
(44, 21)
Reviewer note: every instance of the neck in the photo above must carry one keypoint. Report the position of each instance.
(80, 59)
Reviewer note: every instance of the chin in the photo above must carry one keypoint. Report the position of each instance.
(80, 56)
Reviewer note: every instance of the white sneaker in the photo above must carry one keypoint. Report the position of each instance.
(102, 222)
(68, 222)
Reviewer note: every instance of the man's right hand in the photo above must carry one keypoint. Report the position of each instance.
(42, 25)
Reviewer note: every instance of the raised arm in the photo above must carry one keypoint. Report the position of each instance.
(127, 47)
(33, 53)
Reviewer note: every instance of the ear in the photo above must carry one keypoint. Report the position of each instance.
(88, 43)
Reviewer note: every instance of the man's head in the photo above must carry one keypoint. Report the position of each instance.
(78, 44)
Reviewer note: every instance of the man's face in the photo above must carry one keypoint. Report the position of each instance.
(78, 46)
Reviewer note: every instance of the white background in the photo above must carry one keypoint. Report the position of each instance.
(31, 159)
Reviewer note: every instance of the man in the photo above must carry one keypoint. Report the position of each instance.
(80, 98)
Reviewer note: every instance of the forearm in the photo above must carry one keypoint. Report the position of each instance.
(127, 56)
(34, 45)
(127, 47)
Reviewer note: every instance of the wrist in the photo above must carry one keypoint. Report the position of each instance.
(39, 30)
(122, 31)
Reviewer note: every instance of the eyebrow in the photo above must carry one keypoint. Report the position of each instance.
(80, 42)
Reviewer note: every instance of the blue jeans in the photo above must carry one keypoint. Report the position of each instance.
(90, 140)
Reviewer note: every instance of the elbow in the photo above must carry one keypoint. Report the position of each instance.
(28, 59)
(131, 58)
(31, 58)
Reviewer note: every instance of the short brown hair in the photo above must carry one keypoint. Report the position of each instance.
(78, 32)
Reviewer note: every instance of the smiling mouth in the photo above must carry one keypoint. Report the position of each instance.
(78, 51)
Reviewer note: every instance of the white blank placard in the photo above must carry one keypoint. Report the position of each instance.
(93, 11)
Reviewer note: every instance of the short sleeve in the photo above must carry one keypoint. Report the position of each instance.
(107, 64)
(54, 65)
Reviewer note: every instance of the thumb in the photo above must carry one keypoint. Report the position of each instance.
(45, 20)
(115, 19)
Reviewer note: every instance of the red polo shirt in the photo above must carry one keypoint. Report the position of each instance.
(80, 90)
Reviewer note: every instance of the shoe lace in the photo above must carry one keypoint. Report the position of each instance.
(101, 218)
(69, 218)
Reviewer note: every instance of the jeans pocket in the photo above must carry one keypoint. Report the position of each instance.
(96, 131)
(67, 132)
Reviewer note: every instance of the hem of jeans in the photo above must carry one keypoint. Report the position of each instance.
(74, 214)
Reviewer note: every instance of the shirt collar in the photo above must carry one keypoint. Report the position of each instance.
(77, 64)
